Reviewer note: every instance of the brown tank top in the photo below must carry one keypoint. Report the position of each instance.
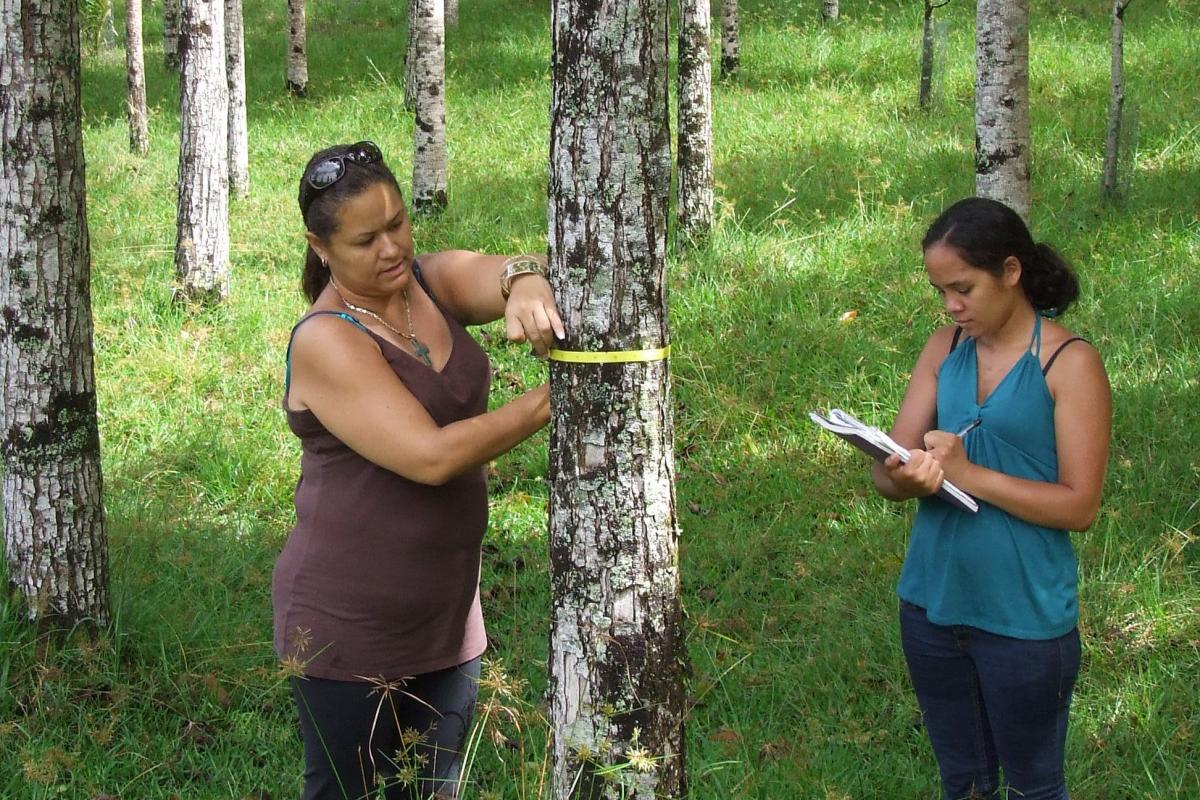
(380, 575)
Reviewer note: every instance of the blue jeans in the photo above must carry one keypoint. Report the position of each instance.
(991, 701)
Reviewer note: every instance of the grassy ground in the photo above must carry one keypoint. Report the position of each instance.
(827, 175)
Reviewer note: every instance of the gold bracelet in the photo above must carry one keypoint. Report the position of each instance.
(518, 265)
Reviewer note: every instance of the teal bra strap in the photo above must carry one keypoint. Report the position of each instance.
(287, 376)
(1035, 342)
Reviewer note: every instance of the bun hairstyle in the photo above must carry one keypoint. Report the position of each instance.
(986, 232)
(320, 207)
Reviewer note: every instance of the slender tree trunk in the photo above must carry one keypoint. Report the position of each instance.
(730, 62)
(617, 651)
(235, 76)
(172, 18)
(108, 28)
(451, 13)
(429, 129)
(1002, 102)
(829, 10)
(297, 63)
(695, 202)
(411, 57)
(202, 246)
(135, 67)
(54, 537)
(1116, 102)
(926, 90)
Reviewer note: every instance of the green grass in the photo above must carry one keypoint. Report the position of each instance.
(827, 174)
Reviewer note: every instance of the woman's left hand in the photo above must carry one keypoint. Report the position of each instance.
(947, 448)
(531, 315)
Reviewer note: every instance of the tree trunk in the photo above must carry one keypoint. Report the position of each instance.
(1002, 102)
(617, 652)
(829, 10)
(54, 536)
(172, 18)
(926, 91)
(1116, 102)
(411, 56)
(429, 128)
(202, 246)
(729, 38)
(108, 28)
(695, 202)
(297, 64)
(451, 13)
(135, 68)
(235, 76)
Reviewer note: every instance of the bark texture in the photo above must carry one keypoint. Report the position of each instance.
(1002, 102)
(617, 651)
(54, 536)
(695, 202)
(202, 244)
(730, 61)
(429, 128)
(1116, 102)
(297, 63)
(829, 10)
(235, 79)
(925, 94)
(135, 69)
(410, 59)
(172, 11)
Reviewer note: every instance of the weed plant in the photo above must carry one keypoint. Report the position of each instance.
(827, 173)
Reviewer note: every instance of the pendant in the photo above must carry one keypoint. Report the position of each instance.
(422, 351)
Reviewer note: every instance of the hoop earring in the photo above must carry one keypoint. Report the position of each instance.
(325, 263)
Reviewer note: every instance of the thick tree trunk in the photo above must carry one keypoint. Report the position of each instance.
(411, 56)
(617, 652)
(297, 63)
(730, 61)
(235, 77)
(429, 128)
(54, 537)
(1116, 102)
(172, 18)
(202, 246)
(135, 68)
(829, 10)
(695, 202)
(1002, 102)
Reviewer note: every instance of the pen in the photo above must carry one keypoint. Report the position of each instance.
(969, 428)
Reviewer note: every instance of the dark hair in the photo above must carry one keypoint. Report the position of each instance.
(986, 232)
(319, 207)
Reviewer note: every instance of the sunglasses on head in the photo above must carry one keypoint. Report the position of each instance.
(328, 171)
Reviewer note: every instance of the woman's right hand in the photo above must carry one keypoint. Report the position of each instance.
(920, 476)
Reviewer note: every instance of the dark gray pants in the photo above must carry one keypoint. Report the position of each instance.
(406, 737)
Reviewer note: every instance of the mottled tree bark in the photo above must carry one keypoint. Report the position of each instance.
(172, 18)
(202, 245)
(235, 79)
(1002, 102)
(429, 128)
(54, 537)
(829, 10)
(135, 69)
(695, 169)
(297, 62)
(730, 61)
(1116, 102)
(617, 652)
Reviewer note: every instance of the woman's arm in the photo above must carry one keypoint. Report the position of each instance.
(340, 375)
(922, 475)
(1082, 428)
(468, 286)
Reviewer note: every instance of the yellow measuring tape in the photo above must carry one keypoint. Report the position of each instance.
(610, 357)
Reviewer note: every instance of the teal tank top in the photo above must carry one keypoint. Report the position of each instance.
(991, 570)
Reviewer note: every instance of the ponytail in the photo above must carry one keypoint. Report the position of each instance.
(1049, 282)
(315, 277)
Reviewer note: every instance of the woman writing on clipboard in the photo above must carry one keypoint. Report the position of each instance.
(989, 605)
